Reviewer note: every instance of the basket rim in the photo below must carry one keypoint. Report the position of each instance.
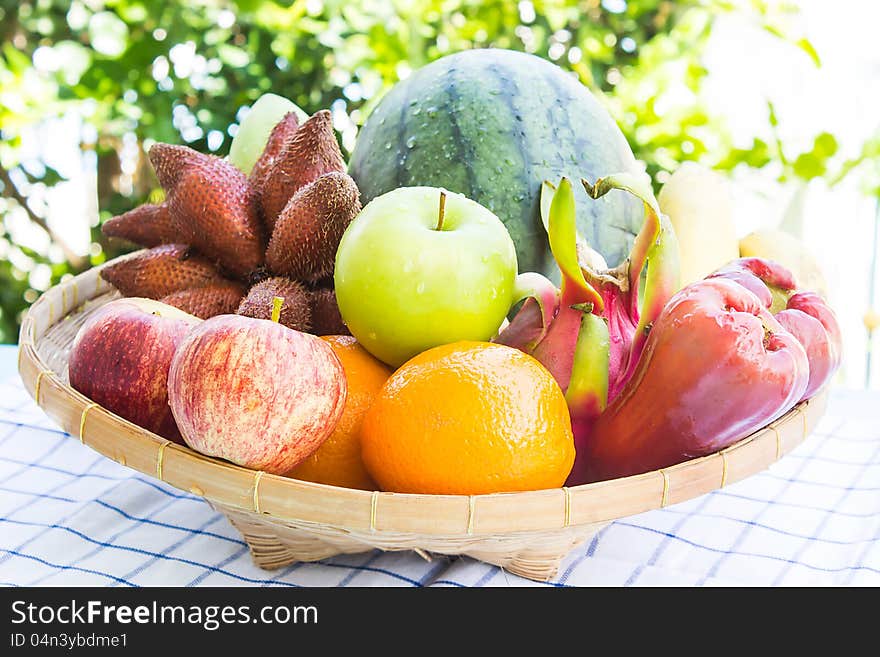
(292, 500)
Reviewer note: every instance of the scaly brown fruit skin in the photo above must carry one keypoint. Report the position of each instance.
(212, 206)
(146, 225)
(205, 302)
(295, 312)
(160, 271)
(326, 319)
(311, 152)
(307, 233)
(210, 229)
(281, 134)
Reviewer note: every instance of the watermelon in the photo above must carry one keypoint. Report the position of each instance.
(493, 124)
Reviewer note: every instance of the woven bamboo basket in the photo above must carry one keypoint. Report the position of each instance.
(285, 520)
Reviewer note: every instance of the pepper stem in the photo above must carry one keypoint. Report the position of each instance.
(276, 308)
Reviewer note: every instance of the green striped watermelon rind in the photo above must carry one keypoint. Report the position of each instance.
(493, 124)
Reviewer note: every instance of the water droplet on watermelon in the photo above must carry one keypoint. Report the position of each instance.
(388, 146)
(410, 142)
(417, 111)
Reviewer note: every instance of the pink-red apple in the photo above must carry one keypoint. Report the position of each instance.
(121, 356)
(255, 392)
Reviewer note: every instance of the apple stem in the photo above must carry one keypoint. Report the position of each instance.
(442, 210)
(276, 308)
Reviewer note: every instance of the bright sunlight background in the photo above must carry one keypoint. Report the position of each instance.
(747, 68)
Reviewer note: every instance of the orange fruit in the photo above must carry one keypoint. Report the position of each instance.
(338, 460)
(469, 418)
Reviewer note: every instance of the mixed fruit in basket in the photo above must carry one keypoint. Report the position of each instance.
(422, 343)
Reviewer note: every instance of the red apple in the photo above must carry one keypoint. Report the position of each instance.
(121, 356)
(255, 392)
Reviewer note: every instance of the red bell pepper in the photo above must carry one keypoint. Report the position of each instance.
(716, 367)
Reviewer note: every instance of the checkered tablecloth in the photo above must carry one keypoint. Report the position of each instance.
(69, 516)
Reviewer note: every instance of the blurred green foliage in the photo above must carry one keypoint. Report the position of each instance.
(122, 74)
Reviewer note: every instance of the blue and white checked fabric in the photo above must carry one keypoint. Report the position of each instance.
(69, 516)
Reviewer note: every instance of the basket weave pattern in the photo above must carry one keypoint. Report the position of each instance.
(285, 520)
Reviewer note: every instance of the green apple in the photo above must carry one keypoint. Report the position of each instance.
(253, 133)
(421, 267)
